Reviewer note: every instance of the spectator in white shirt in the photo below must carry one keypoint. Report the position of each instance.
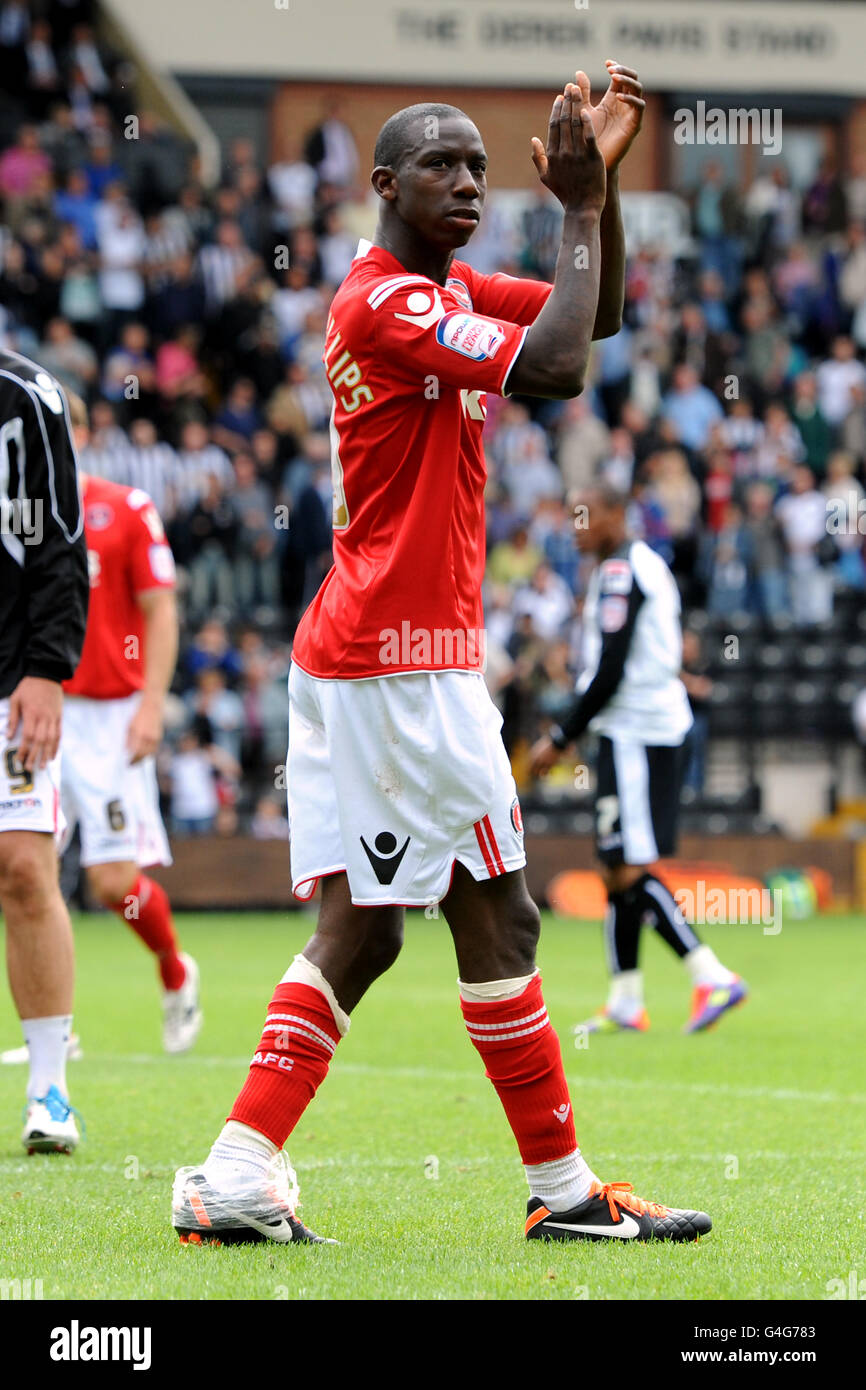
(336, 248)
(193, 769)
(836, 378)
(121, 241)
(293, 185)
(86, 57)
(532, 475)
(291, 304)
(802, 513)
(331, 149)
(548, 601)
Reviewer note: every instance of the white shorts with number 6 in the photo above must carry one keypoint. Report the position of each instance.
(115, 803)
(28, 800)
(395, 779)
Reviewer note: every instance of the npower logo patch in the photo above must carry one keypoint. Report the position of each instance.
(470, 335)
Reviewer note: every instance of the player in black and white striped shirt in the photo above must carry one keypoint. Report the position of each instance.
(631, 696)
(43, 611)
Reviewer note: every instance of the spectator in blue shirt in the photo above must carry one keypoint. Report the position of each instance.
(77, 204)
(691, 408)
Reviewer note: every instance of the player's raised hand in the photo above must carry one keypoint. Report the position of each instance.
(617, 118)
(35, 712)
(572, 166)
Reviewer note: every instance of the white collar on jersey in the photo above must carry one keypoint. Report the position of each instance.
(363, 247)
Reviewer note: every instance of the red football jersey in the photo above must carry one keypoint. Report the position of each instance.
(127, 553)
(409, 362)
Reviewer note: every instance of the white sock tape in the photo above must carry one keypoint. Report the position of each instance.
(303, 972)
(495, 989)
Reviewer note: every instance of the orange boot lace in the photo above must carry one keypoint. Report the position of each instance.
(622, 1194)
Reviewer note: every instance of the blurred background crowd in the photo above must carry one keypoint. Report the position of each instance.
(731, 406)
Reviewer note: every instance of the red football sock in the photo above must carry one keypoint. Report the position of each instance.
(521, 1054)
(147, 910)
(291, 1062)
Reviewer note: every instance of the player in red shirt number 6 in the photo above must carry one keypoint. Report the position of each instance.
(400, 791)
(112, 729)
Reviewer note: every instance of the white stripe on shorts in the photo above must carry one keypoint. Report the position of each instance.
(635, 817)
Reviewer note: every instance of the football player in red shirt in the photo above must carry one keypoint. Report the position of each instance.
(112, 728)
(400, 792)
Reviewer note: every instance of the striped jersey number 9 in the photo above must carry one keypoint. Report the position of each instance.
(606, 812)
(11, 430)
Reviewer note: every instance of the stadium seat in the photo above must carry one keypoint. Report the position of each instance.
(841, 701)
(728, 704)
(782, 623)
(810, 709)
(817, 657)
(770, 709)
(854, 660)
(773, 657)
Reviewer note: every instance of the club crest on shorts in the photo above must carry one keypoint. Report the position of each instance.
(386, 858)
(516, 817)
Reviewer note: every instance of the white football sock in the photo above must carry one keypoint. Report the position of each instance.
(562, 1183)
(46, 1039)
(625, 996)
(705, 968)
(238, 1156)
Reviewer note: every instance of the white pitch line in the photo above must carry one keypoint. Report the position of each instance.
(162, 1171)
(780, 1093)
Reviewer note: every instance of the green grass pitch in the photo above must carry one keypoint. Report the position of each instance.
(405, 1155)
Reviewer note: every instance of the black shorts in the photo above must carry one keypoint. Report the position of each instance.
(637, 801)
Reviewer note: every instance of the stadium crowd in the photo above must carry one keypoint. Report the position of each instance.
(731, 406)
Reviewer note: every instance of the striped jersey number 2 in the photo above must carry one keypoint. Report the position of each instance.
(606, 812)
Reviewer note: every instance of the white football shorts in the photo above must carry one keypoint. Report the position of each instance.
(28, 800)
(394, 779)
(115, 803)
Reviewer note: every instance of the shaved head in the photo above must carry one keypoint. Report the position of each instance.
(398, 136)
